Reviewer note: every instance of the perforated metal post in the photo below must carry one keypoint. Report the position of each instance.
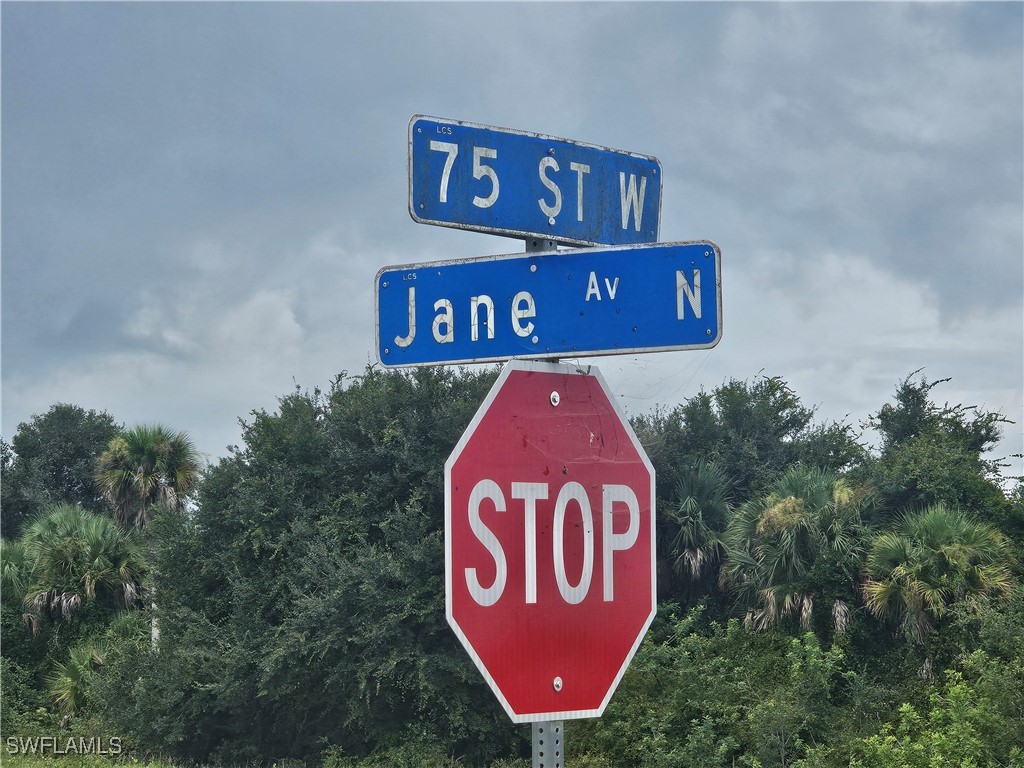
(540, 245)
(548, 744)
(548, 737)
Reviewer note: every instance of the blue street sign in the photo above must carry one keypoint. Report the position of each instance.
(571, 303)
(528, 185)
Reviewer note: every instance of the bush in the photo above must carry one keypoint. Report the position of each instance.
(22, 705)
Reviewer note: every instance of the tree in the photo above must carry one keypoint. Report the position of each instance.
(799, 543)
(15, 570)
(68, 682)
(71, 572)
(302, 600)
(147, 466)
(692, 526)
(951, 733)
(701, 695)
(935, 454)
(936, 557)
(51, 460)
(16, 575)
(752, 431)
(73, 557)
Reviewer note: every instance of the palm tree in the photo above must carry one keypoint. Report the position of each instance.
(15, 569)
(783, 549)
(16, 573)
(936, 557)
(68, 682)
(74, 557)
(696, 521)
(148, 466)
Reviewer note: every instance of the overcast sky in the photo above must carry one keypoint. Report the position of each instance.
(197, 196)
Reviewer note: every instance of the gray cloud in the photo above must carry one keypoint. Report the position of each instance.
(196, 196)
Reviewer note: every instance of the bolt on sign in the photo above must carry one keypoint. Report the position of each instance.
(549, 535)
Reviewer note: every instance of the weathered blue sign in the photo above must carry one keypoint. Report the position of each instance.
(527, 185)
(570, 303)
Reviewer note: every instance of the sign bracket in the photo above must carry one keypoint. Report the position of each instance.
(541, 245)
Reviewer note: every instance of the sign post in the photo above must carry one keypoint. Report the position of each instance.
(550, 575)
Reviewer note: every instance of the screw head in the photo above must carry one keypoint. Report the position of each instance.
(555, 399)
(557, 683)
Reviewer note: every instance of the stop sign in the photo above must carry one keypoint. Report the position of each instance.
(549, 541)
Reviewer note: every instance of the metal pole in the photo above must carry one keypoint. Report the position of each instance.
(548, 744)
(540, 245)
(548, 737)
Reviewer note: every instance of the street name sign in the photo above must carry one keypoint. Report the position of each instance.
(550, 577)
(568, 303)
(528, 185)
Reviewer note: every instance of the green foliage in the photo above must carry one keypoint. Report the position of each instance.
(50, 461)
(22, 701)
(691, 528)
(795, 547)
(16, 568)
(74, 674)
(719, 696)
(949, 735)
(932, 454)
(166, 700)
(84, 759)
(147, 467)
(752, 431)
(73, 557)
(65, 579)
(1011, 519)
(995, 669)
(301, 597)
(303, 602)
(407, 749)
(936, 557)
(69, 681)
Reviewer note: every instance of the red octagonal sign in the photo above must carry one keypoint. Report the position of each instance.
(549, 541)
